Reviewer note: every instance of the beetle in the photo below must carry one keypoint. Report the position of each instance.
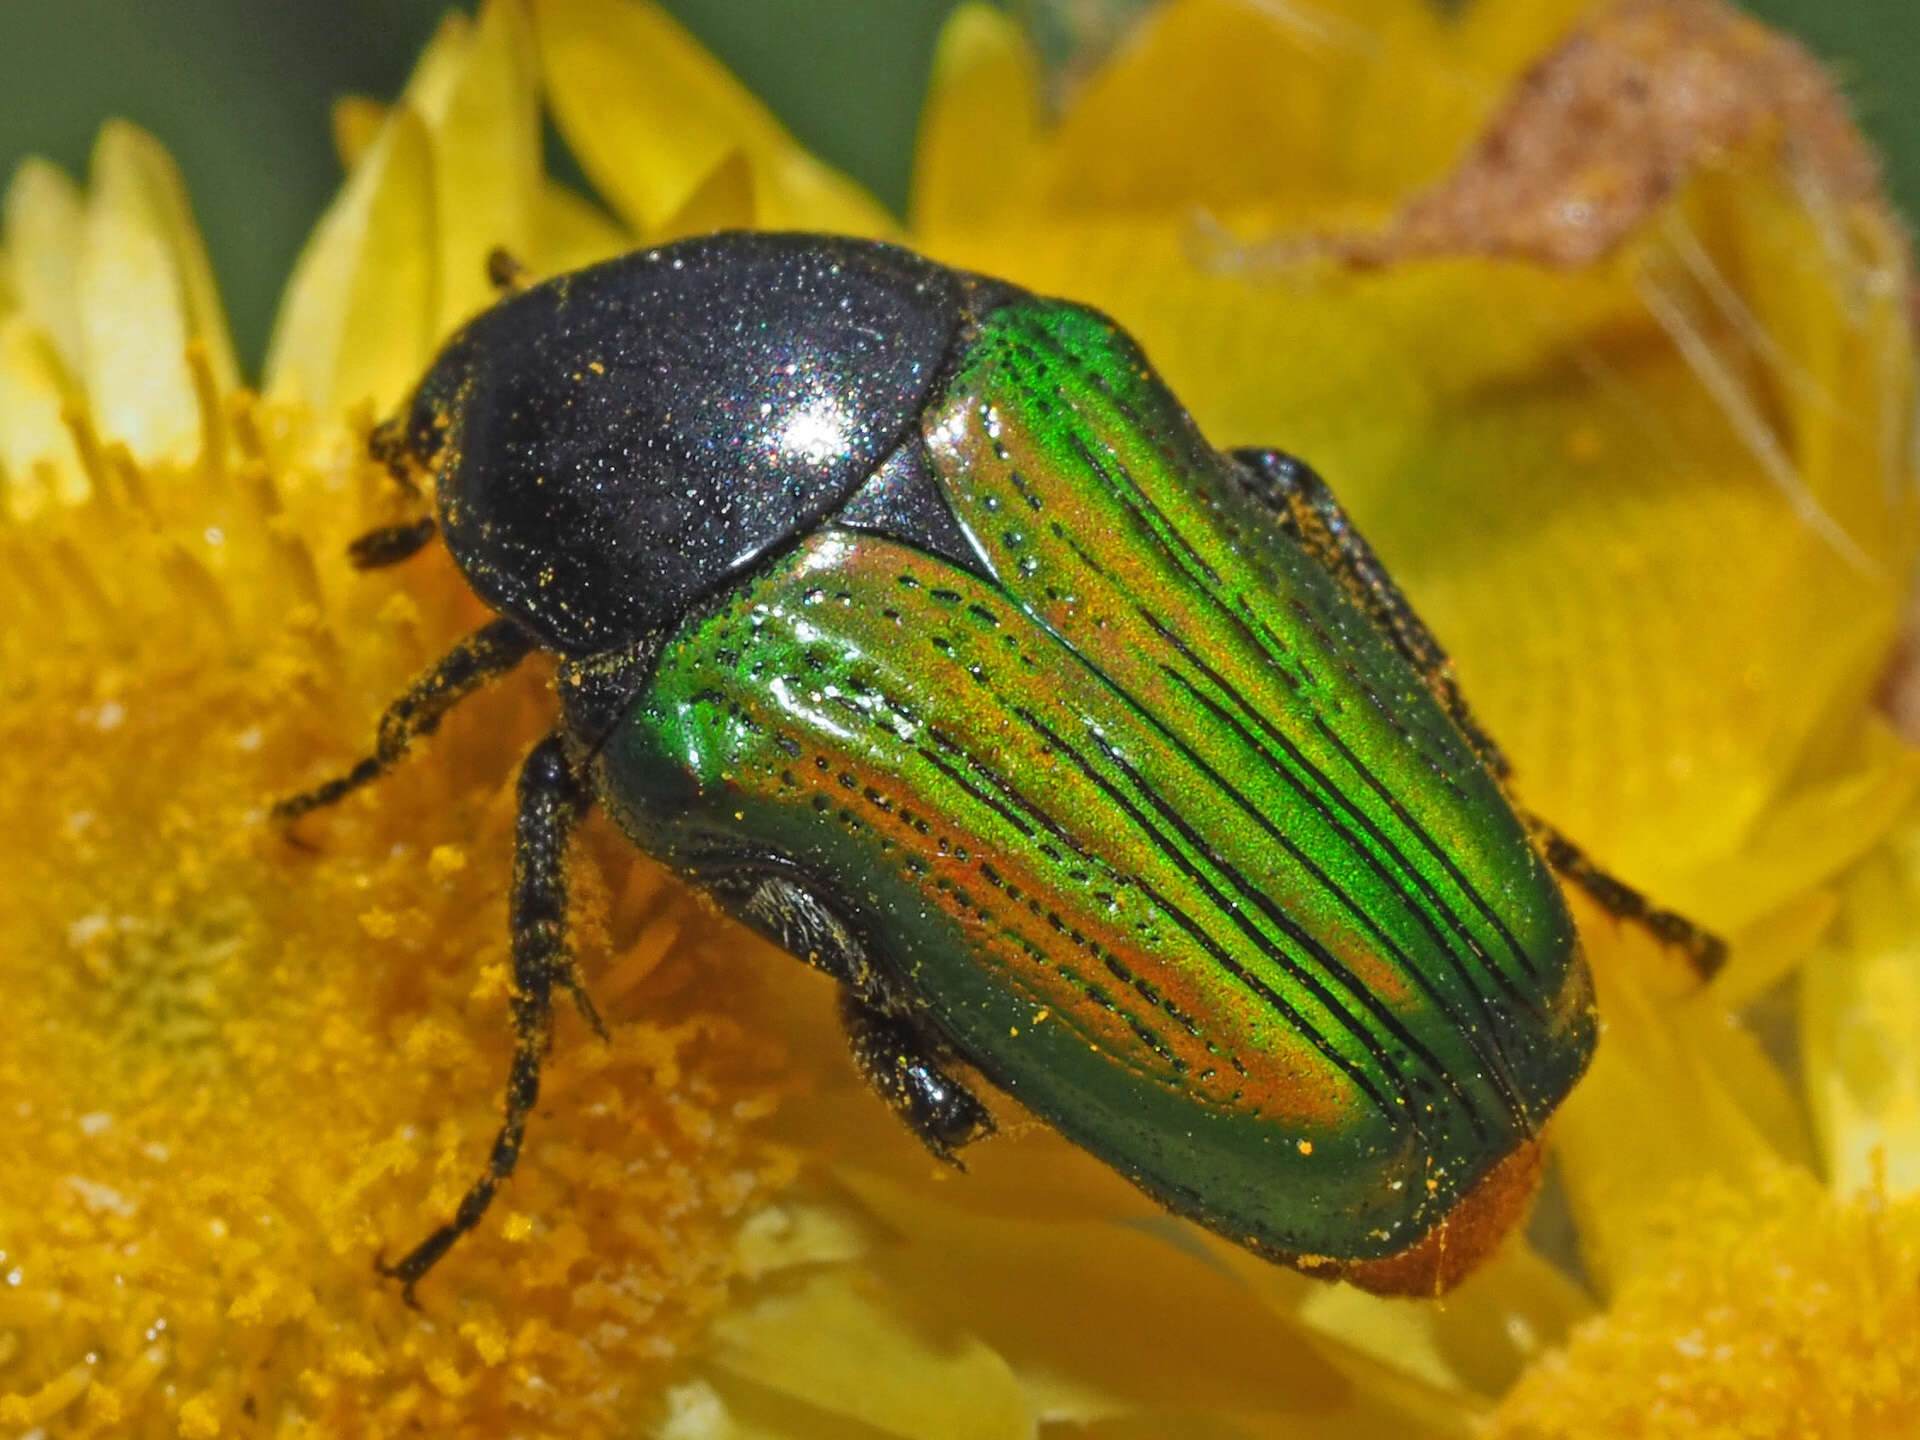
(909, 616)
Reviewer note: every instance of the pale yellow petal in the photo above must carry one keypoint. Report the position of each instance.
(436, 70)
(476, 89)
(847, 1348)
(37, 452)
(981, 124)
(709, 1410)
(143, 162)
(1660, 1110)
(1810, 833)
(722, 201)
(357, 321)
(1028, 1286)
(571, 231)
(145, 289)
(42, 228)
(356, 125)
(650, 115)
(785, 1236)
(1503, 1317)
(1766, 951)
(1860, 1026)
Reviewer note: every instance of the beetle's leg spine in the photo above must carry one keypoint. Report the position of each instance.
(1704, 951)
(552, 800)
(488, 653)
(1308, 511)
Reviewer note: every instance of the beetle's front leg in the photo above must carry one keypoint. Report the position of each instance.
(488, 653)
(552, 800)
(904, 1070)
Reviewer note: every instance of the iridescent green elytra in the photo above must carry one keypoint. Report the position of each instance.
(1157, 831)
(910, 616)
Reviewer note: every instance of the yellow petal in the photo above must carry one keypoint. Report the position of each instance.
(1860, 1026)
(1766, 951)
(145, 289)
(650, 115)
(37, 452)
(783, 1237)
(1500, 1319)
(1660, 1110)
(570, 231)
(42, 227)
(981, 123)
(357, 320)
(475, 88)
(356, 125)
(714, 1409)
(1811, 831)
(722, 201)
(1293, 110)
(848, 1350)
(1029, 1286)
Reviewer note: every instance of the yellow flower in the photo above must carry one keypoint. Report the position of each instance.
(1658, 498)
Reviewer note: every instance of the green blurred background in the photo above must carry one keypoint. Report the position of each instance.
(239, 90)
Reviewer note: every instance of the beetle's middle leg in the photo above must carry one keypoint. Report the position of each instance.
(552, 799)
(488, 653)
(1308, 511)
(906, 1068)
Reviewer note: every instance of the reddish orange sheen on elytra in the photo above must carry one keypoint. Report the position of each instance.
(1152, 824)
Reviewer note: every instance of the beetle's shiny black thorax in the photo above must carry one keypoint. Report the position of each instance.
(613, 444)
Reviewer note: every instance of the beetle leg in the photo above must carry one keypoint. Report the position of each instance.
(387, 445)
(1307, 510)
(552, 799)
(800, 922)
(905, 1069)
(491, 651)
(1704, 951)
(390, 544)
(907, 1072)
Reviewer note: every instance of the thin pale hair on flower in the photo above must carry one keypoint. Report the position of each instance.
(1318, 29)
(1216, 250)
(1853, 279)
(1747, 326)
(1860, 280)
(1672, 312)
(1324, 33)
